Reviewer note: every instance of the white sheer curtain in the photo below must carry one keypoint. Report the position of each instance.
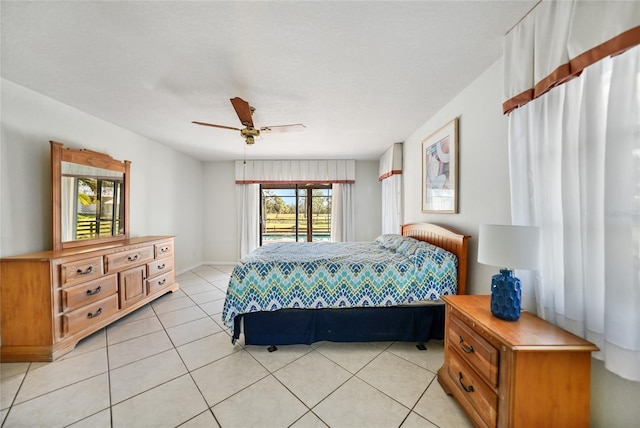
(67, 208)
(390, 176)
(248, 209)
(342, 221)
(575, 172)
(391, 203)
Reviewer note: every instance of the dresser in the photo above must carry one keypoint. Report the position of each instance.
(514, 374)
(51, 300)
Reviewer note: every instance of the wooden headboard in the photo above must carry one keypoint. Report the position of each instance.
(444, 238)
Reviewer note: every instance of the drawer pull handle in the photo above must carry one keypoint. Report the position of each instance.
(162, 282)
(467, 349)
(133, 258)
(98, 312)
(94, 292)
(164, 249)
(84, 272)
(466, 388)
(160, 267)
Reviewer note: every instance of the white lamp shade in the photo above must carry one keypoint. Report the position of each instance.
(510, 247)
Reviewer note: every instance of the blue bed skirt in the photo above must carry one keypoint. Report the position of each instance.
(306, 326)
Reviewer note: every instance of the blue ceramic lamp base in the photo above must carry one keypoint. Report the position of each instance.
(506, 295)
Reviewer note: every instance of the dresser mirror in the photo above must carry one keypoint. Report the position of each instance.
(90, 195)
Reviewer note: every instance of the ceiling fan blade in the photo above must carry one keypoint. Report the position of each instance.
(216, 126)
(297, 127)
(243, 110)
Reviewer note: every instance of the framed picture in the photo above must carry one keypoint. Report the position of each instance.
(440, 170)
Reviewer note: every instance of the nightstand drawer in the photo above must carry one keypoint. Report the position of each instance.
(526, 373)
(474, 349)
(471, 387)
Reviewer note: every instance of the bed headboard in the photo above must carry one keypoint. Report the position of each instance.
(445, 238)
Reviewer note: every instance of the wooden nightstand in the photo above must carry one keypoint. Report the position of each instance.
(514, 374)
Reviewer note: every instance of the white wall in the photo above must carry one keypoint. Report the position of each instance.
(483, 183)
(166, 185)
(220, 230)
(367, 193)
(485, 198)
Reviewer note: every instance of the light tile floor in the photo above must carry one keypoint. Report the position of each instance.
(171, 363)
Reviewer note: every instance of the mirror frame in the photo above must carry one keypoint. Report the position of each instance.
(92, 159)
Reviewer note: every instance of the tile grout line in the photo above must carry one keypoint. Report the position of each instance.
(270, 372)
(209, 408)
(13, 401)
(106, 344)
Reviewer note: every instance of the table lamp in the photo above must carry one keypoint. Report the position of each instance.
(509, 247)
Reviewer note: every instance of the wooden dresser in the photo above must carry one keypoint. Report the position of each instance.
(50, 300)
(514, 374)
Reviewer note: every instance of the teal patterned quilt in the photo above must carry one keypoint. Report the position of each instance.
(392, 270)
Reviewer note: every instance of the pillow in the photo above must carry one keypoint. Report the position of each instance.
(390, 241)
(409, 246)
(432, 256)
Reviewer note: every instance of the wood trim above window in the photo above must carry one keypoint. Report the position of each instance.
(556, 41)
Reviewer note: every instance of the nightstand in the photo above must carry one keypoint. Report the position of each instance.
(514, 374)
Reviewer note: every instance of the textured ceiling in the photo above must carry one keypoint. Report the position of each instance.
(359, 75)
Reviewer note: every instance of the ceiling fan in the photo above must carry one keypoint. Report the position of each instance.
(249, 132)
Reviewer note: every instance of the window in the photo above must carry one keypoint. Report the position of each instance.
(295, 213)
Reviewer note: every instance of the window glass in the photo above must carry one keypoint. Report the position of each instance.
(295, 213)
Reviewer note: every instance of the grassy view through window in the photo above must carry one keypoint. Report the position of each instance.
(295, 213)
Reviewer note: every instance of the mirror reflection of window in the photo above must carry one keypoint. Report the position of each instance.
(86, 208)
(91, 203)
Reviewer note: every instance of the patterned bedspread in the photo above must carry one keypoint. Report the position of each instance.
(390, 271)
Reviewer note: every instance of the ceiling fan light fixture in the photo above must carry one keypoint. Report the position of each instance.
(249, 132)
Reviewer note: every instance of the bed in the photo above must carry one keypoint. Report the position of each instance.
(385, 290)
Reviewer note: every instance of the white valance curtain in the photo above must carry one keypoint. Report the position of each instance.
(295, 171)
(390, 176)
(558, 39)
(574, 159)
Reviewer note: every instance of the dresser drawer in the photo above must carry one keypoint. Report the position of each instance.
(163, 249)
(126, 259)
(159, 266)
(88, 292)
(476, 351)
(472, 388)
(160, 282)
(81, 270)
(87, 315)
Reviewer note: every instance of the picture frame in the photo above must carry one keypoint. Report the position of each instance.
(440, 170)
